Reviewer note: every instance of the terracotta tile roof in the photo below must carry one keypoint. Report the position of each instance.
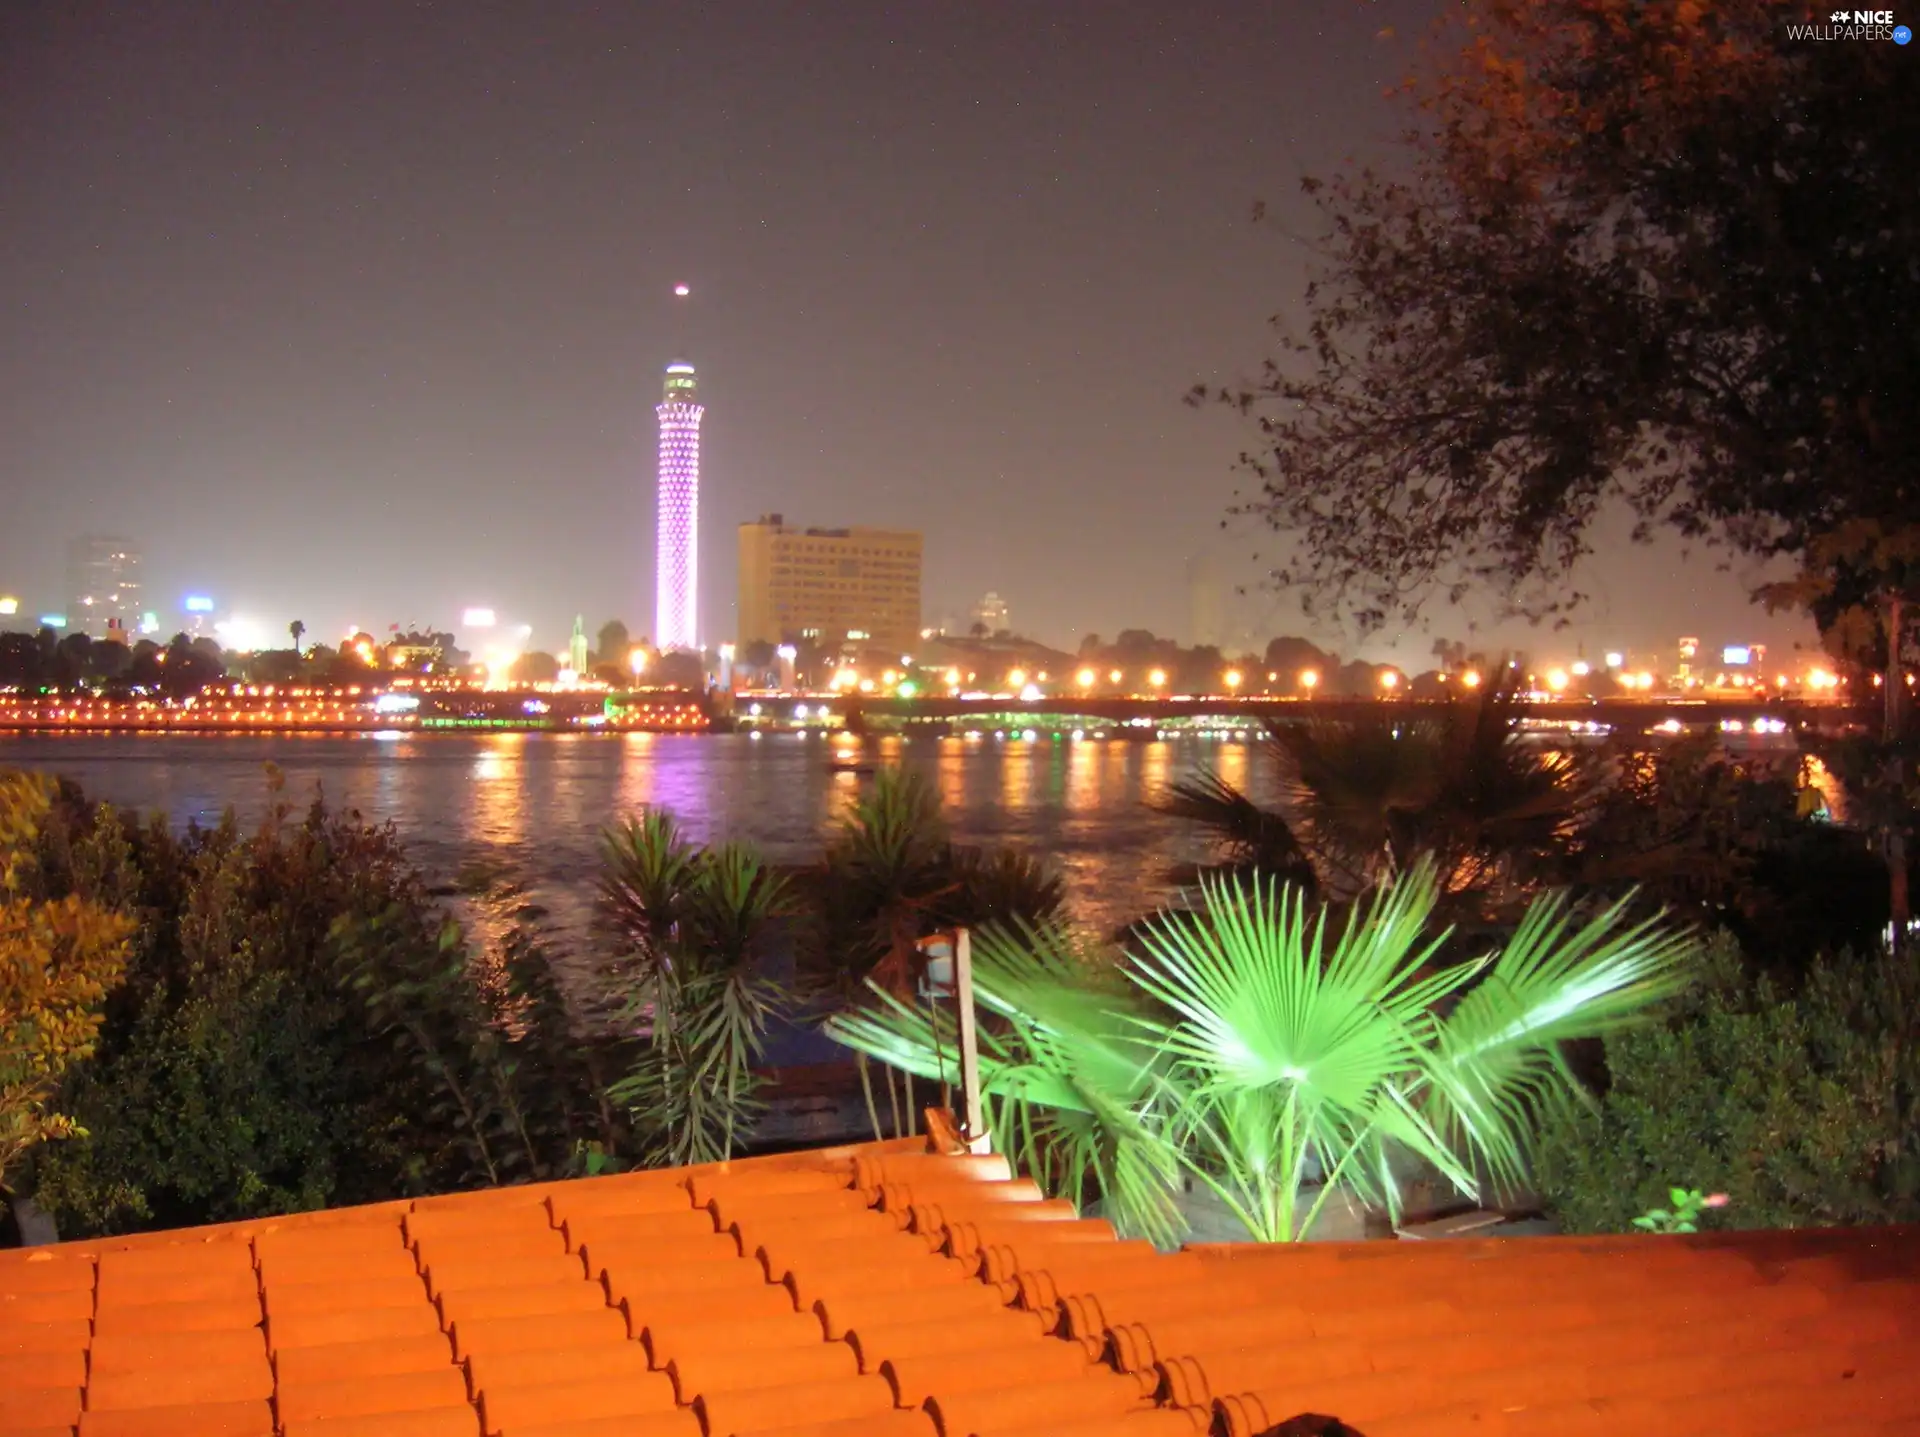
(882, 1291)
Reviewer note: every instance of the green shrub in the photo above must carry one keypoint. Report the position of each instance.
(301, 1025)
(1802, 1106)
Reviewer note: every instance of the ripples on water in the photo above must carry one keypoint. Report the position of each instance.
(535, 803)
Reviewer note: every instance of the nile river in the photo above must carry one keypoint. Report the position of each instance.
(535, 803)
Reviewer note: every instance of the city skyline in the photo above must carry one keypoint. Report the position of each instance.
(373, 366)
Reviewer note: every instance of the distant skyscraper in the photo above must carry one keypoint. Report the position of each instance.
(677, 544)
(991, 614)
(830, 585)
(103, 586)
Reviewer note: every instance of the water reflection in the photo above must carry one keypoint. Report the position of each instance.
(538, 802)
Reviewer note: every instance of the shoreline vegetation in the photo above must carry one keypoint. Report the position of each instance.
(288, 1017)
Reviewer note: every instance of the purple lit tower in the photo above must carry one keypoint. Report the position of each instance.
(675, 623)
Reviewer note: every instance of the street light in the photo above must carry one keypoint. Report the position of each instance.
(1084, 678)
(1113, 676)
(637, 661)
(1309, 679)
(1158, 678)
(1016, 679)
(1389, 680)
(1556, 679)
(1233, 679)
(1470, 679)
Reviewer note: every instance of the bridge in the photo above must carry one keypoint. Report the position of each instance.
(1641, 713)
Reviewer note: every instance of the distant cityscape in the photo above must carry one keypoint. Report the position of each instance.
(822, 607)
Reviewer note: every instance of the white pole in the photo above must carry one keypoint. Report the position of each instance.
(969, 1040)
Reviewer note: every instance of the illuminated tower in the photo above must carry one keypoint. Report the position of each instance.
(677, 555)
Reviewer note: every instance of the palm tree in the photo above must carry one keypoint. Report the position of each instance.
(1251, 1048)
(1361, 798)
(298, 630)
(688, 927)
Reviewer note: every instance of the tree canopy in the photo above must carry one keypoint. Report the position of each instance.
(1642, 251)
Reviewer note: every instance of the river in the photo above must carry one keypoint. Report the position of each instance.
(535, 803)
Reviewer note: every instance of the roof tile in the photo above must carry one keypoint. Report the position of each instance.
(371, 1393)
(507, 1405)
(679, 1423)
(839, 1310)
(38, 1406)
(222, 1419)
(761, 1409)
(70, 1334)
(742, 1369)
(431, 1422)
(334, 1361)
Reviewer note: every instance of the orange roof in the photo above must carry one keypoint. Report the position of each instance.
(883, 1291)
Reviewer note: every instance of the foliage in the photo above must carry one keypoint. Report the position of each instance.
(1069, 1072)
(1801, 1103)
(58, 958)
(1688, 1204)
(1255, 1045)
(1720, 840)
(891, 876)
(1652, 253)
(301, 1025)
(1362, 797)
(691, 926)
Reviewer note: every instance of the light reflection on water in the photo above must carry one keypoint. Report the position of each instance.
(535, 804)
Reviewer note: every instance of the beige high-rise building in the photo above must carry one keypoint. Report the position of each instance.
(833, 585)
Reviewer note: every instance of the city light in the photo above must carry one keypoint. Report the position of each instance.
(9, 606)
(1309, 679)
(1113, 676)
(1581, 669)
(1084, 678)
(1233, 679)
(1017, 678)
(637, 661)
(477, 618)
(1615, 659)
(787, 653)
(1556, 679)
(241, 635)
(952, 677)
(1390, 680)
(908, 688)
(1470, 679)
(198, 604)
(1157, 679)
(682, 290)
(845, 679)
(1030, 693)
(53, 621)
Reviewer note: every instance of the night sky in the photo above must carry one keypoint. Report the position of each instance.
(356, 312)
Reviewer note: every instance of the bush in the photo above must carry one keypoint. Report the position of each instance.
(1802, 1105)
(58, 957)
(301, 1025)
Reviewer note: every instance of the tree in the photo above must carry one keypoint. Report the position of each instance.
(1652, 253)
(186, 667)
(535, 667)
(1362, 798)
(108, 661)
(297, 631)
(691, 928)
(612, 643)
(58, 959)
(1256, 1045)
